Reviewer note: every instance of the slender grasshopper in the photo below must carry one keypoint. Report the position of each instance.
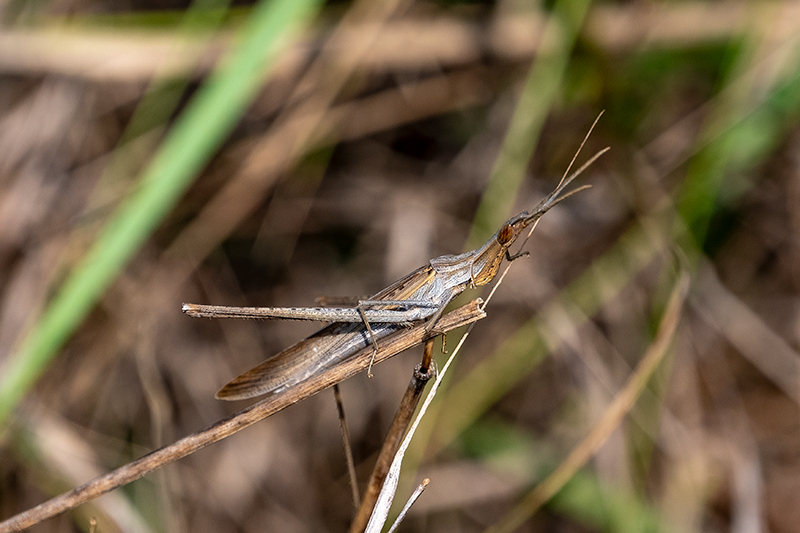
(421, 295)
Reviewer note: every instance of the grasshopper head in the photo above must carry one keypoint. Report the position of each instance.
(490, 255)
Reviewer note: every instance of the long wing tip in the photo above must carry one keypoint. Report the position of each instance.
(237, 390)
(230, 394)
(222, 394)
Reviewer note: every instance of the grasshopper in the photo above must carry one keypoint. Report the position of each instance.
(421, 295)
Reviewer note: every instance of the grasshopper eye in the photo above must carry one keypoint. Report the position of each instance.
(505, 234)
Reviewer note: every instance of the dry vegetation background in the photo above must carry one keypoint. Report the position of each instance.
(368, 150)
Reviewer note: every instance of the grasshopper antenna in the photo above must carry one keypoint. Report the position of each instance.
(578, 152)
(554, 197)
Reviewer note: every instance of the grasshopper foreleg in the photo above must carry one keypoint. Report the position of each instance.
(517, 255)
(371, 337)
(410, 304)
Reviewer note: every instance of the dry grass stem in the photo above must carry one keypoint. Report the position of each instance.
(369, 150)
(619, 408)
(413, 498)
(248, 416)
(348, 448)
(394, 437)
(384, 501)
(450, 42)
(744, 329)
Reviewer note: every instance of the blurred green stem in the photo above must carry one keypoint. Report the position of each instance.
(541, 89)
(191, 143)
(538, 95)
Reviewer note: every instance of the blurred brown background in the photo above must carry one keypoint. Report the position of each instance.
(367, 152)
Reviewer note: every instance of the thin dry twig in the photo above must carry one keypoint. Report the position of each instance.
(422, 374)
(413, 498)
(126, 56)
(348, 449)
(753, 338)
(248, 416)
(386, 496)
(620, 407)
(380, 484)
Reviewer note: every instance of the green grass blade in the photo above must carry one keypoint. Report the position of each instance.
(189, 146)
(741, 135)
(541, 89)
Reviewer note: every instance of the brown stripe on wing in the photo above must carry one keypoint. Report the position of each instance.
(290, 366)
(405, 287)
